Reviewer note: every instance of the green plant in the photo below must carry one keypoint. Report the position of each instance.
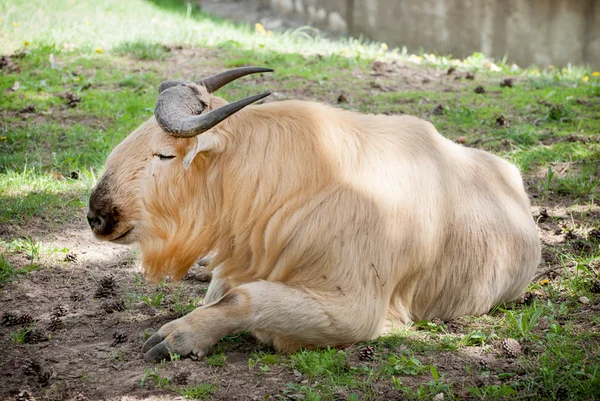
(401, 365)
(153, 376)
(155, 299)
(493, 392)
(522, 323)
(218, 360)
(6, 269)
(199, 392)
(18, 336)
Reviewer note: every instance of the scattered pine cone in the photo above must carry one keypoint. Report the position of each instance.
(71, 257)
(366, 353)
(510, 347)
(106, 287)
(479, 90)
(119, 338)
(437, 321)
(180, 378)
(113, 306)
(24, 396)
(507, 83)
(483, 364)
(55, 324)
(594, 235)
(35, 336)
(59, 311)
(595, 287)
(14, 319)
(30, 367)
(43, 378)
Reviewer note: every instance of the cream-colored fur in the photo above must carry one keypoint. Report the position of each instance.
(328, 225)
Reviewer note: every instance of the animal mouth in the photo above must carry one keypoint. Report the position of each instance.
(122, 238)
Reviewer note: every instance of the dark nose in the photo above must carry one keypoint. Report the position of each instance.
(97, 222)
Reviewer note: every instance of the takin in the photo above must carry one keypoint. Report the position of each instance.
(327, 227)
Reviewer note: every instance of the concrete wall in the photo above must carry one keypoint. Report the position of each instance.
(539, 32)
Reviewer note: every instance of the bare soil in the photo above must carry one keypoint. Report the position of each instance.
(87, 344)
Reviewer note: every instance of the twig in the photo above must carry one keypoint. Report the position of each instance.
(542, 274)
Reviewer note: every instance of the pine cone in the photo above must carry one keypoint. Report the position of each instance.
(59, 311)
(106, 287)
(595, 287)
(180, 378)
(113, 306)
(71, 257)
(24, 396)
(437, 321)
(119, 338)
(30, 367)
(483, 364)
(35, 336)
(366, 353)
(510, 347)
(55, 323)
(13, 319)
(594, 235)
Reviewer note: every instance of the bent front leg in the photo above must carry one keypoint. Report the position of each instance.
(289, 317)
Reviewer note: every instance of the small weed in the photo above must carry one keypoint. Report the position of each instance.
(152, 375)
(403, 366)
(18, 336)
(524, 321)
(476, 338)
(321, 363)
(154, 300)
(199, 392)
(6, 269)
(492, 392)
(262, 358)
(218, 360)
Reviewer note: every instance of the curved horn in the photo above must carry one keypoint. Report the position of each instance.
(178, 111)
(218, 81)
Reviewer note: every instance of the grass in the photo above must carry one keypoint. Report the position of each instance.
(112, 55)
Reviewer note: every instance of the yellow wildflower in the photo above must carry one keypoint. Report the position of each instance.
(535, 72)
(585, 78)
(98, 50)
(26, 43)
(15, 24)
(260, 28)
(544, 281)
(269, 33)
(1, 19)
(596, 73)
(550, 67)
(2, 138)
(86, 21)
(384, 46)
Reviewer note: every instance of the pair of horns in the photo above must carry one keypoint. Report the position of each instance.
(179, 107)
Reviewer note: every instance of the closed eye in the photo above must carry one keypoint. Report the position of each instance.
(165, 157)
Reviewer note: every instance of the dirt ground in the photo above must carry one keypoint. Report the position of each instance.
(90, 319)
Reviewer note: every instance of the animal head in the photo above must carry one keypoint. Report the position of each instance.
(150, 190)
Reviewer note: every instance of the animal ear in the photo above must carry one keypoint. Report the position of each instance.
(204, 143)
